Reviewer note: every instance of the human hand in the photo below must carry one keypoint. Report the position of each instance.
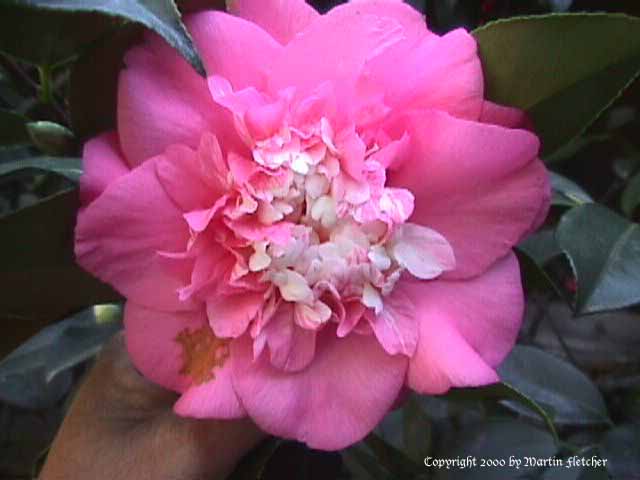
(121, 426)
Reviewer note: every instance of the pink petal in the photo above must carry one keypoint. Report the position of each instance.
(180, 172)
(283, 19)
(119, 233)
(466, 327)
(102, 163)
(396, 327)
(230, 315)
(451, 80)
(291, 348)
(338, 399)
(478, 185)
(334, 48)
(233, 48)
(163, 101)
(214, 399)
(504, 116)
(151, 341)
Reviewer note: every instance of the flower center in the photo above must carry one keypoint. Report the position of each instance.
(333, 235)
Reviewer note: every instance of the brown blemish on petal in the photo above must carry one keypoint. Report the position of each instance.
(202, 352)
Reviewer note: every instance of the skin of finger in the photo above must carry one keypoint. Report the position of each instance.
(121, 426)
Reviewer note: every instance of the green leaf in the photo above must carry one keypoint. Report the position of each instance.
(604, 250)
(563, 69)
(47, 37)
(40, 235)
(566, 192)
(391, 458)
(51, 138)
(631, 196)
(161, 16)
(70, 168)
(561, 390)
(13, 129)
(498, 440)
(39, 276)
(28, 374)
(416, 430)
(252, 466)
(505, 391)
(541, 246)
(93, 89)
(621, 446)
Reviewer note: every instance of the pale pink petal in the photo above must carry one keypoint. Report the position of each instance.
(291, 347)
(119, 234)
(151, 341)
(396, 326)
(102, 163)
(213, 399)
(163, 101)
(478, 185)
(283, 19)
(230, 315)
(233, 48)
(422, 251)
(466, 327)
(337, 400)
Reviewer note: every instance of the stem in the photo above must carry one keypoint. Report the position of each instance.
(46, 94)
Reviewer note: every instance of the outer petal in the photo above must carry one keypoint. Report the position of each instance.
(119, 233)
(103, 163)
(466, 327)
(478, 185)
(283, 19)
(214, 399)
(505, 116)
(151, 341)
(163, 101)
(339, 398)
(334, 48)
(442, 73)
(233, 48)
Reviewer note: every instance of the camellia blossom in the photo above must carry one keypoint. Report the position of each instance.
(325, 219)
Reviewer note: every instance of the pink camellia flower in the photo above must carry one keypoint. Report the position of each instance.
(325, 219)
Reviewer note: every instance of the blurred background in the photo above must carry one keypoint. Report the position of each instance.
(582, 371)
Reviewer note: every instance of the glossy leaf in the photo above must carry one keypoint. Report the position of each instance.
(566, 192)
(34, 375)
(161, 16)
(94, 83)
(70, 168)
(498, 440)
(47, 37)
(51, 138)
(13, 129)
(563, 69)
(604, 250)
(564, 392)
(38, 268)
(541, 246)
(416, 430)
(630, 199)
(621, 446)
(505, 391)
